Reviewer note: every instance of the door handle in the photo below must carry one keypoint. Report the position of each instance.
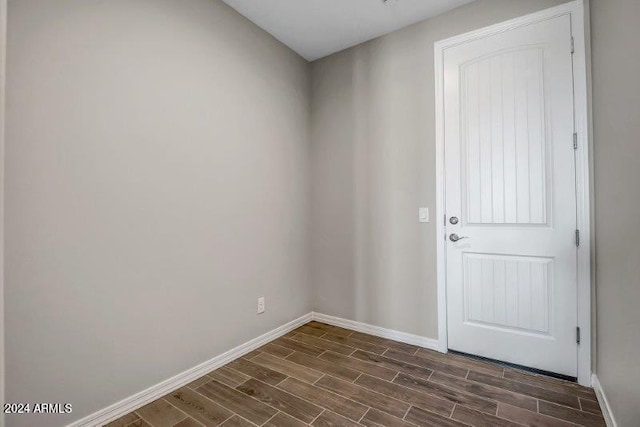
(454, 237)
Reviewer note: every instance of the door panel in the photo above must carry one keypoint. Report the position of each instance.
(510, 179)
(503, 115)
(507, 292)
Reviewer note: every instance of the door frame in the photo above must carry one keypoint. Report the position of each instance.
(578, 11)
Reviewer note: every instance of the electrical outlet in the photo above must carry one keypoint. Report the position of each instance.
(261, 305)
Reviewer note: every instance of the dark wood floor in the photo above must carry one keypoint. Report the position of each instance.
(321, 375)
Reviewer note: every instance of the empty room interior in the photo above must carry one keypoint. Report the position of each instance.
(322, 213)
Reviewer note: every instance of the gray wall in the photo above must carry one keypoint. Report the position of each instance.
(156, 185)
(616, 110)
(154, 150)
(373, 165)
(3, 46)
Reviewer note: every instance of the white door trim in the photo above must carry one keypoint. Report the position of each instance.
(578, 11)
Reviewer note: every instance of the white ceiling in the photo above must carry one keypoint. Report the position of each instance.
(317, 28)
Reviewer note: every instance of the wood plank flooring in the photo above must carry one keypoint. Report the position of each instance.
(324, 376)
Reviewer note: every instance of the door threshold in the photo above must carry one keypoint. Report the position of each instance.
(516, 366)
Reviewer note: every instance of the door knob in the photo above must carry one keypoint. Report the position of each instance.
(454, 237)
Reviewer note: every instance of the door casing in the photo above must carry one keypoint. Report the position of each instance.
(578, 11)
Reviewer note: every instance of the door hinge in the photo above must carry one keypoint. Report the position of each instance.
(575, 140)
(578, 334)
(573, 45)
(578, 238)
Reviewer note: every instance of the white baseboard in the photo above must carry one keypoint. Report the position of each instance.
(144, 397)
(604, 403)
(140, 399)
(378, 331)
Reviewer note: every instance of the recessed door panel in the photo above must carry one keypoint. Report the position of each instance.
(508, 292)
(504, 138)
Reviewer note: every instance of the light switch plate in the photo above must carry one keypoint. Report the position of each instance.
(423, 214)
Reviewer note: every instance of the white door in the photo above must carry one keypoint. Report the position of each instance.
(510, 182)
